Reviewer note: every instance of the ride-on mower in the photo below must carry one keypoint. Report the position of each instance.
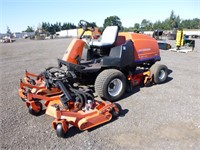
(114, 63)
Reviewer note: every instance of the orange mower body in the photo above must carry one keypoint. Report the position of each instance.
(145, 48)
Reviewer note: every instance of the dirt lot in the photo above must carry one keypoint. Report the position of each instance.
(163, 116)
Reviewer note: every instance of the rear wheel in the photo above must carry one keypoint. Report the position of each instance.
(159, 73)
(110, 84)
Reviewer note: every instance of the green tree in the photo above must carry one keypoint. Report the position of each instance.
(52, 29)
(137, 26)
(46, 26)
(174, 20)
(8, 30)
(57, 27)
(146, 24)
(112, 21)
(157, 25)
(166, 24)
(67, 26)
(29, 29)
(195, 23)
(186, 24)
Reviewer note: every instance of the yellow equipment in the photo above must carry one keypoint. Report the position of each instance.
(179, 39)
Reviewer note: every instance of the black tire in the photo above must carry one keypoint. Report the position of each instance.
(23, 99)
(33, 112)
(32, 82)
(159, 73)
(115, 113)
(59, 131)
(108, 80)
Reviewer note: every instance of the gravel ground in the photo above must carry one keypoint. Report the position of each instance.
(165, 116)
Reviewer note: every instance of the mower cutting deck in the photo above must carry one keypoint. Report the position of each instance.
(91, 115)
(66, 103)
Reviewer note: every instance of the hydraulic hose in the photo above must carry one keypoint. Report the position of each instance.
(62, 87)
(66, 97)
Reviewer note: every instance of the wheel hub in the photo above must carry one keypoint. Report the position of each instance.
(115, 87)
(161, 74)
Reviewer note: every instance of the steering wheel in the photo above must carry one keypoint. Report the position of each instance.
(86, 25)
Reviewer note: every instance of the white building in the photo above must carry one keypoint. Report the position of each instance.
(67, 33)
(23, 34)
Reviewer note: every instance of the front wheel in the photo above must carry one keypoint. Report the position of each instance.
(159, 73)
(35, 112)
(59, 130)
(116, 110)
(110, 84)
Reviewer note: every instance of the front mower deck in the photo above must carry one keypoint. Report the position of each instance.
(103, 111)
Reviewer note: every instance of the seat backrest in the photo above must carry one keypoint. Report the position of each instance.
(124, 52)
(109, 35)
(120, 40)
(120, 56)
